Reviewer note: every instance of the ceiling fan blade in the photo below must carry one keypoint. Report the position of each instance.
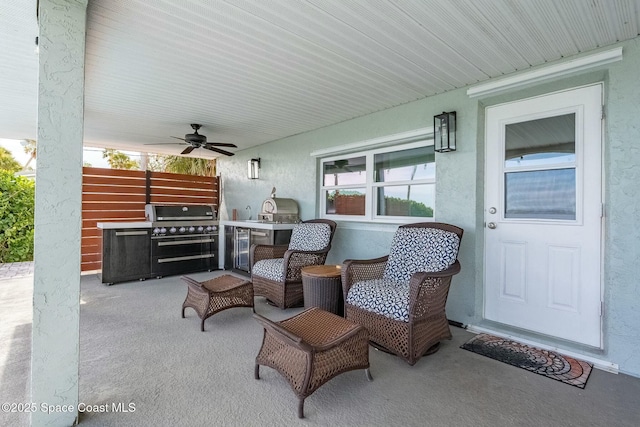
(226, 153)
(166, 143)
(188, 150)
(182, 139)
(221, 144)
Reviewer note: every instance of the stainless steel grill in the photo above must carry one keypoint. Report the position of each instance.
(278, 209)
(184, 239)
(181, 219)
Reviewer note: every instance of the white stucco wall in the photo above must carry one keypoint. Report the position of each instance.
(287, 165)
(56, 294)
(622, 248)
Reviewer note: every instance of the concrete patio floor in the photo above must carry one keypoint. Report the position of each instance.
(135, 348)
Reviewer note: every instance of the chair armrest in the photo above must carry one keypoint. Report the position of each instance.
(428, 291)
(295, 260)
(355, 270)
(451, 271)
(260, 252)
(282, 334)
(290, 252)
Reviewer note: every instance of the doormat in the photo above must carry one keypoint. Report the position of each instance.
(544, 362)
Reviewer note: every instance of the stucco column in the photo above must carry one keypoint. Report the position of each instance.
(58, 223)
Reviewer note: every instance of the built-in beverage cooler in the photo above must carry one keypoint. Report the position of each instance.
(241, 246)
(244, 237)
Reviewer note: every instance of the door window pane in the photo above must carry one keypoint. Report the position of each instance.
(406, 200)
(405, 165)
(541, 142)
(345, 171)
(544, 194)
(346, 201)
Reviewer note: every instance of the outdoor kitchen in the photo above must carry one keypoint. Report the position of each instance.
(276, 219)
(175, 239)
(139, 225)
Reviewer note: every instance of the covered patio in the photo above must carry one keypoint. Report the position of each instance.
(316, 90)
(136, 349)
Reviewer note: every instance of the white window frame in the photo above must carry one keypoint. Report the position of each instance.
(370, 186)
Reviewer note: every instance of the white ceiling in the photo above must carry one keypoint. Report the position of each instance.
(253, 71)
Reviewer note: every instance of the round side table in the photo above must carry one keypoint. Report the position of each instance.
(322, 288)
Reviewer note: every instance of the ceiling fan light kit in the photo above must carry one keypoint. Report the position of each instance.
(195, 138)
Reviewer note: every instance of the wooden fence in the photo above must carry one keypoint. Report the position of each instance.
(113, 195)
(349, 204)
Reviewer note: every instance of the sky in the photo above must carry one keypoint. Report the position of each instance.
(90, 155)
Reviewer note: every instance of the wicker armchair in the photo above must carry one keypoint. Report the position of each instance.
(276, 269)
(400, 298)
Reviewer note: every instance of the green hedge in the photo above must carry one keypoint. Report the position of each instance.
(17, 201)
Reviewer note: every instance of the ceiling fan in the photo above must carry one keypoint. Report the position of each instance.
(195, 140)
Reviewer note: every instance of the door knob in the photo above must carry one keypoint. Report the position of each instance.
(492, 210)
(492, 225)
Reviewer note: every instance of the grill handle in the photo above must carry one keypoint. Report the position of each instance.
(185, 242)
(131, 233)
(184, 218)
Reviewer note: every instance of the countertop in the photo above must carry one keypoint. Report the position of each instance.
(258, 224)
(112, 225)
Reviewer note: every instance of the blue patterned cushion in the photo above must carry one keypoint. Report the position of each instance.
(381, 296)
(420, 249)
(311, 236)
(272, 269)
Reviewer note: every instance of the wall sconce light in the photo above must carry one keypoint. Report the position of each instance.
(444, 132)
(253, 166)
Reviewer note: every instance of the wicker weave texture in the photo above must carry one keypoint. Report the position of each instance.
(331, 345)
(288, 293)
(284, 295)
(428, 293)
(323, 292)
(427, 324)
(394, 336)
(213, 296)
(197, 298)
(430, 297)
(268, 251)
(357, 270)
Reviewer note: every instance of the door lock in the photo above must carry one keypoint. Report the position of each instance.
(492, 210)
(492, 225)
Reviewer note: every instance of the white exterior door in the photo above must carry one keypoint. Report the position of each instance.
(543, 214)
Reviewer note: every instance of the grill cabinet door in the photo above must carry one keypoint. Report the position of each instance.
(125, 254)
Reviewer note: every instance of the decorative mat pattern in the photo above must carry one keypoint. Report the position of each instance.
(544, 362)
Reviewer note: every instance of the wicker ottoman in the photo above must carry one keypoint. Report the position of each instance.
(220, 293)
(311, 348)
(322, 288)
